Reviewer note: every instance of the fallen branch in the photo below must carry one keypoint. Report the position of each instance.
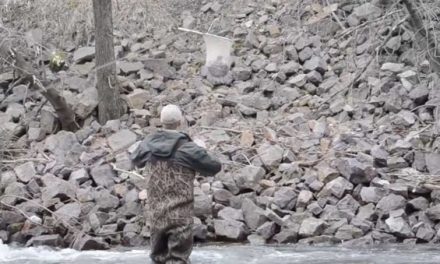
(24, 160)
(221, 128)
(126, 171)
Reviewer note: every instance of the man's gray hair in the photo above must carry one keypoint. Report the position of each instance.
(171, 115)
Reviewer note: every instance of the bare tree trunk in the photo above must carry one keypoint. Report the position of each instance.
(425, 38)
(108, 89)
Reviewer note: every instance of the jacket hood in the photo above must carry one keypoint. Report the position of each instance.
(163, 143)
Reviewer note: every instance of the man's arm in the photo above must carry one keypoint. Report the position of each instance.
(198, 159)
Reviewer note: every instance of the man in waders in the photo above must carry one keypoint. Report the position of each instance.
(169, 160)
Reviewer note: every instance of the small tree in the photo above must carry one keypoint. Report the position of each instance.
(108, 89)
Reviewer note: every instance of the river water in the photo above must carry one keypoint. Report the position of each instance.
(233, 254)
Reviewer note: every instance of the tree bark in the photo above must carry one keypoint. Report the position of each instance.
(109, 106)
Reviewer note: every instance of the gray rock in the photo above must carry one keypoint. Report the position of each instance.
(396, 163)
(138, 98)
(432, 160)
(315, 64)
(84, 54)
(271, 67)
(381, 237)
(364, 225)
(348, 203)
(46, 240)
(287, 235)
(4, 236)
(305, 54)
(393, 67)
(160, 67)
(88, 100)
(229, 213)
(337, 187)
(391, 202)
(419, 94)
(202, 206)
(285, 198)
(272, 216)
(7, 178)
(419, 203)
(249, 177)
(69, 213)
(222, 196)
(326, 173)
(256, 240)
(256, 100)
(270, 155)
(304, 198)
(419, 161)
(372, 194)
(253, 215)
(56, 188)
(355, 171)
(122, 140)
(36, 134)
(399, 227)
(315, 78)
(394, 43)
(65, 147)
(399, 189)
(103, 175)
(10, 217)
(230, 229)
(400, 147)
(380, 156)
(130, 67)
(273, 46)
(200, 230)
(314, 208)
(252, 40)
(425, 232)
(433, 213)
(291, 53)
(366, 212)
(298, 80)
(312, 227)
(25, 172)
(267, 230)
(105, 201)
(258, 65)
(290, 68)
(13, 191)
(367, 10)
(348, 232)
(87, 242)
(241, 73)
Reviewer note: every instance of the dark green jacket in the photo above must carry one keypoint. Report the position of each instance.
(176, 147)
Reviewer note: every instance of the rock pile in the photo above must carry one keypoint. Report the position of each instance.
(313, 152)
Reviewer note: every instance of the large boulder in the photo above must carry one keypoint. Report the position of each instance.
(249, 177)
(103, 175)
(253, 215)
(312, 227)
(25, 172)
(230, 229)
(390, 202)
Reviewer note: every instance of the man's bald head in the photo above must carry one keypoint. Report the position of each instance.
(171, 117)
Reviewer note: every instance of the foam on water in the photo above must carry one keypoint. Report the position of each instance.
(231, 254)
